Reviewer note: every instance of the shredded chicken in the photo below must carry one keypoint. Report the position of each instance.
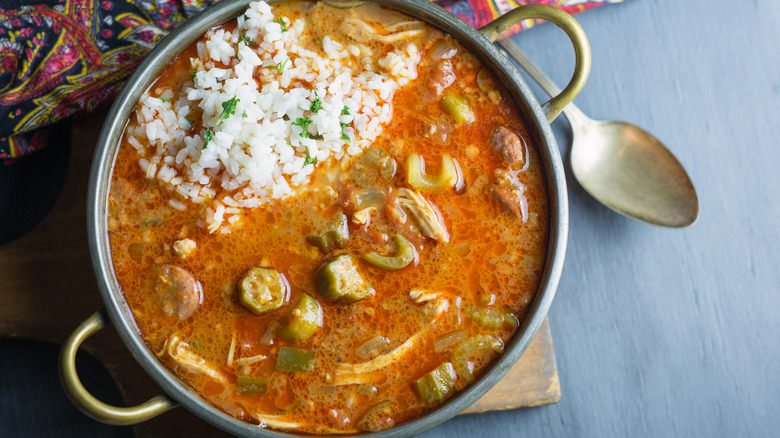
(179, 351)
(250, 360)
(379, 362)
(429, 221)
(362, 217)
(423, 296)
(231, 350)
(275, 422)
(434, 309)
(436, 303)
(243, 363)
(184, 247)
(363, 32)
(511, 192)
(393, 210)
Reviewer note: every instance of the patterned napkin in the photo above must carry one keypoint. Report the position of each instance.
(64, 57)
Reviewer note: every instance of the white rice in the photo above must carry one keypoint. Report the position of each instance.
(258, 152)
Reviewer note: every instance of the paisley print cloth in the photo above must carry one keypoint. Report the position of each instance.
(62, 57)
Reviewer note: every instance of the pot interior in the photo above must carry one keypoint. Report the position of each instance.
(106, 154)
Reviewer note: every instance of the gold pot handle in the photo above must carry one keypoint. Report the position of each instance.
(85, 401)
(579, 40)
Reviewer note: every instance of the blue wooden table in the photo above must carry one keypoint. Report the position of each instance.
(657, 332)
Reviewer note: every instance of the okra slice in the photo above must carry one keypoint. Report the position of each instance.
(339, 279)
(434, 387)
(335, 238)
(303, 319)
(456, 106)
(262, 290)
(480, 349)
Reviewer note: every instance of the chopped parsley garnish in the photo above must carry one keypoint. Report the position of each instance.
(166, 99)
(208, 136)
(344, 135)
(191, 122)
(246, 40)
(243, 115)
(281, 21)
(279, 67)
(193, 73)
(229, 108)
(309, 159)
(316, 105)
(304, 124)
(345, 110)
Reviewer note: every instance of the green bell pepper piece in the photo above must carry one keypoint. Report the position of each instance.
(251, 385)
(293, 359)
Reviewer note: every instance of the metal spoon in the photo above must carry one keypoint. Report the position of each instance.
(621, 165)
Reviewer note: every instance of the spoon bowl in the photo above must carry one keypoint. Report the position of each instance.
(630, 171)
(621, 165)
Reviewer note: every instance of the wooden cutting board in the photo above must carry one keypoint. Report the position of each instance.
(47, 288)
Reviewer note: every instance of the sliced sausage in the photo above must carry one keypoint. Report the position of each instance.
(176, 291)
(509, 146)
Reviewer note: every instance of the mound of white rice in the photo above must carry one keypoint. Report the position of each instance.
(262, 138)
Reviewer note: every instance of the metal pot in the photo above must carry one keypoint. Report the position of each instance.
(538, 118)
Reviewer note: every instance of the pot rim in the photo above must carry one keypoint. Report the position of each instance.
(121, 316)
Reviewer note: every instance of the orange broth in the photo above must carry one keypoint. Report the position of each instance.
(492, 262)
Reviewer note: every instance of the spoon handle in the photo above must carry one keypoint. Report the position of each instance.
(571, 112)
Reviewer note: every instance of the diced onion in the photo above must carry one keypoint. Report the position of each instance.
(483, 80)
(443, 50)
(373, 347)
(359, 379)
(343, 4)
(449, 339)
(474, 348)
